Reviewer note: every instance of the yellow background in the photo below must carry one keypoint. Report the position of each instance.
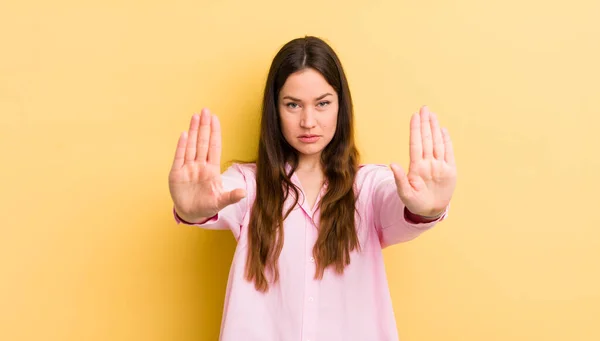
(94, 94)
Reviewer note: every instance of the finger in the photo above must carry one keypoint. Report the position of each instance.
(231, 197)
(449, 154)
(426, 133)
(190, 149)
(438, 141)
(214, 147)
(180, 151)
(401, 179)
(416, 144)
(203, 135)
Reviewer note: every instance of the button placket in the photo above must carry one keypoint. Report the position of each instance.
(311, 286)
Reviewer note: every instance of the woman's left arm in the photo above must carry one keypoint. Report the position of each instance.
(424, 194)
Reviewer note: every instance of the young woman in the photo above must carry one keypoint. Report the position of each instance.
(309, 220)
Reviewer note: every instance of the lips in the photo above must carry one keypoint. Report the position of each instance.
(308, 138)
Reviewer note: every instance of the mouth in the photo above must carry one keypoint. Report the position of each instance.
(309, 138)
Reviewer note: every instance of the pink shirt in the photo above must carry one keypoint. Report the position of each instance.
(353, 307)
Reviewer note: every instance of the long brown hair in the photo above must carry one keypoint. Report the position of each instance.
(337, 233)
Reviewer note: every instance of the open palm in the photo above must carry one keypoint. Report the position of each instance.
(428, 187)
(195, 177)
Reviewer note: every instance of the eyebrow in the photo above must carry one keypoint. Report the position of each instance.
(298, 100)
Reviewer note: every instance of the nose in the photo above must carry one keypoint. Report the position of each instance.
(308, 119)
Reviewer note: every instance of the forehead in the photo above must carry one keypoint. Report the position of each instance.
(306, 84)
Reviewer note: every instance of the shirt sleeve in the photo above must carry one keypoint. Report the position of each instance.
(388, 211)
(231, 217)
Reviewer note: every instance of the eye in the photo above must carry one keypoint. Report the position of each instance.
(323, 104)
(291, 105)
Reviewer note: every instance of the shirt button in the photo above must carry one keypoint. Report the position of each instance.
(312, 260)
(310, 299)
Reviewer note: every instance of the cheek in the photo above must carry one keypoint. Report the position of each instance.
(286, 126)
(332, 123)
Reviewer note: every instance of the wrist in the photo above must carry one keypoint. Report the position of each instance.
(420, 218)
(187, 219)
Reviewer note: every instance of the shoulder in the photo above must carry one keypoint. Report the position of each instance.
(372, 174)
(247, 169)
(245, 172)
(368, 170)
(240, 175)
(366, 167)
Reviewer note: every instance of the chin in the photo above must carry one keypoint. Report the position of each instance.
(308, 151)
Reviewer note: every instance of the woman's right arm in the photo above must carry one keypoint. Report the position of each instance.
(201, 194)
(232, 216)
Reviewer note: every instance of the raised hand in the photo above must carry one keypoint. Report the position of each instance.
(431, 179)
(195, 177)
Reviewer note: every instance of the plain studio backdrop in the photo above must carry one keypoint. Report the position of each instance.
(94, 94)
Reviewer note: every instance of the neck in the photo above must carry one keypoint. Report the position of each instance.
(310, 163)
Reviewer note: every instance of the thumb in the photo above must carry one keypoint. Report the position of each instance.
(232, 197)
(401, 179)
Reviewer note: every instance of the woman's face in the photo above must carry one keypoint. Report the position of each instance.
(308, 108)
